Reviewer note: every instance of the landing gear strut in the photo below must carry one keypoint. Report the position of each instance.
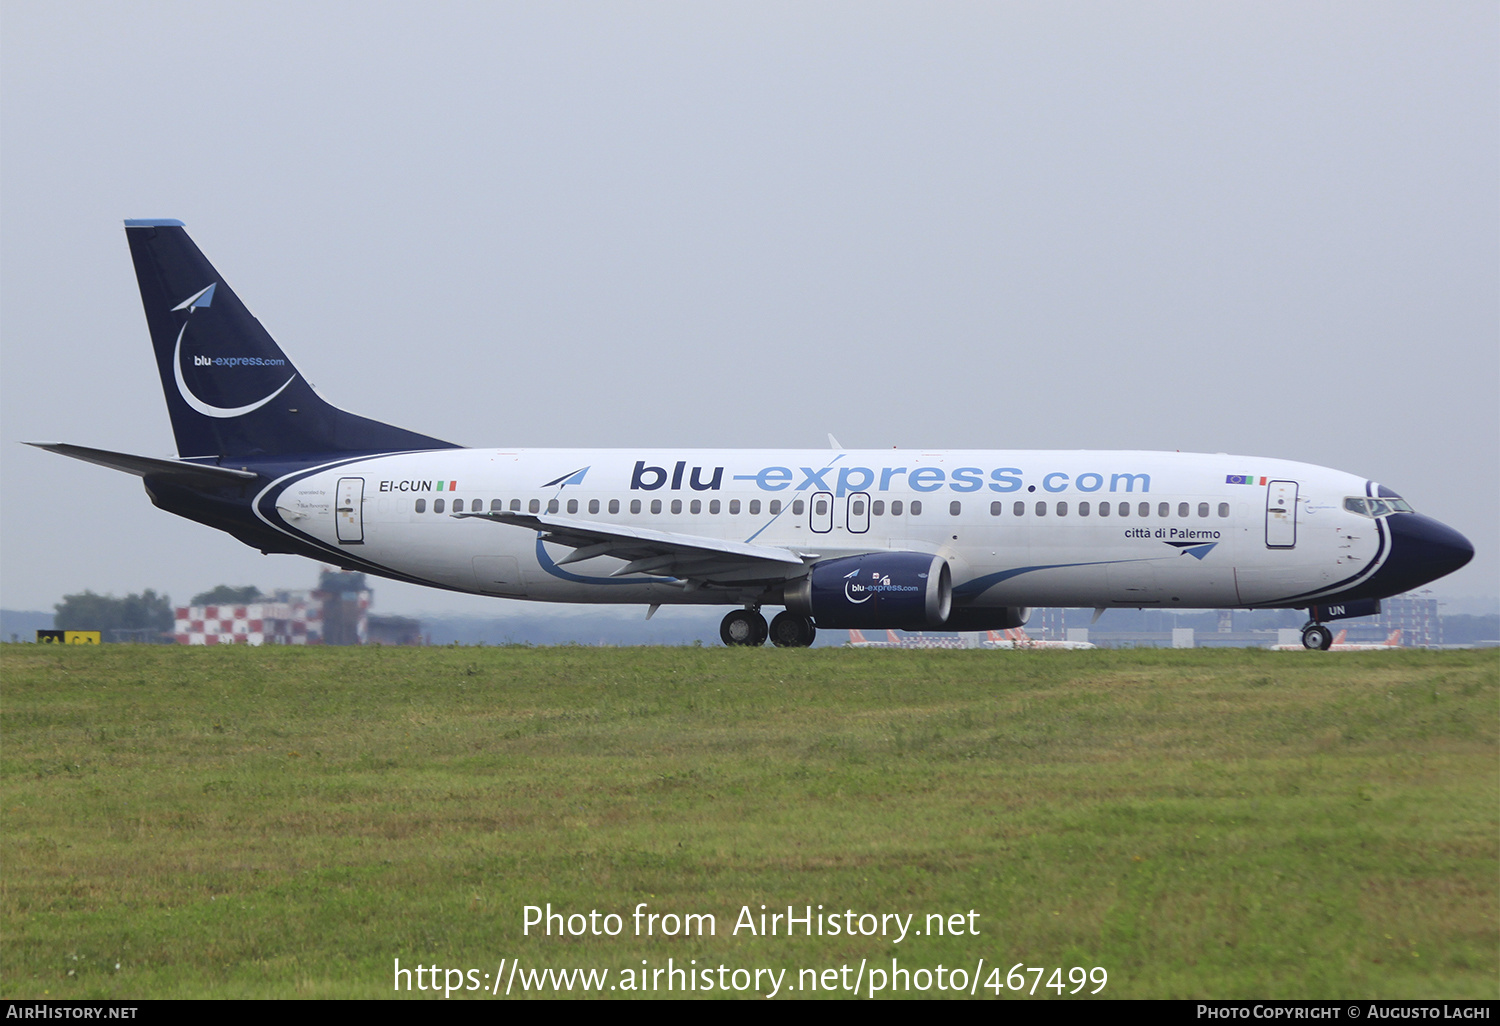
(1316, 637)
(743, 627)
(792, 630)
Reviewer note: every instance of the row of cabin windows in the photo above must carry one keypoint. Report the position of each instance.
(694, 507)
(820, 507)
(877, 508)
(1104, 509)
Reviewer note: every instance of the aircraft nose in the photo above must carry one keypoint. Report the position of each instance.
(1422, 550)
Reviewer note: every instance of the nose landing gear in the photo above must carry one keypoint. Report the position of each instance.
(1316, 637)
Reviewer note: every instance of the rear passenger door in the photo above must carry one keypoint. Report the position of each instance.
(349, 514)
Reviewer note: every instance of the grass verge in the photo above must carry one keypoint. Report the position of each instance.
(285, 822)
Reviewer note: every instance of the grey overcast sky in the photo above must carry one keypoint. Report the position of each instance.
(1263, 228)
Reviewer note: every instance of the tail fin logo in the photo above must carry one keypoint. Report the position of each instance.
(197, 299)
(205, 298)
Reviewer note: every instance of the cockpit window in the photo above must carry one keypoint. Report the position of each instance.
(1367, 507)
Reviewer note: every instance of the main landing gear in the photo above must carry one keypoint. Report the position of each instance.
(743, 627)
(748, 627)
(792, 630)
(1316, 637)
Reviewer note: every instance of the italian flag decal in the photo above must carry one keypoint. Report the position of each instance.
(452, 486)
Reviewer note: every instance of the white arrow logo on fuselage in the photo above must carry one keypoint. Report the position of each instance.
(205, 297)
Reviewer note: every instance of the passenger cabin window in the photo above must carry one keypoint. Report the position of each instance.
(515, 505)
(916, 507)
(695, 507)
(458, 505)
(1223, 509)
(437, 505)
(1041, 509)
(1124, 509)
(593, 505)
(734, 507)
(572, 505)
(1182, 509)
(1145, 509)
(676, 505)
(552, 505)
(754, 507)
(1062, 509)
(535, 505)
(1020, 509)
(996, 507)
(1203, 509)
(614, 505)
(1104, 509)
(878, 507)
(797, 507)
(821, 507)
(713, 507)
(1164, 509)
(955, 508)
(635, 505)
(896, 507)
(858, 508)
(1083, 509)
(497, 505)
(421, 505)
(655, 505)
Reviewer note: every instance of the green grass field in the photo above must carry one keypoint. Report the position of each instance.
(283, 822)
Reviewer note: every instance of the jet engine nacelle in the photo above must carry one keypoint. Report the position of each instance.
(911, 590)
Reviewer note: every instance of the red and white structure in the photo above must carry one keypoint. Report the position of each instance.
(295, 622)
(295, 618)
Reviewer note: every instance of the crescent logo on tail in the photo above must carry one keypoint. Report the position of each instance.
(193, 302)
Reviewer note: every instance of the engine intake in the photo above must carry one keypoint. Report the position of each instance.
(911, 590)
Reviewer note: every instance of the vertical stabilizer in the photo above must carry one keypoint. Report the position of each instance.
(230, 390)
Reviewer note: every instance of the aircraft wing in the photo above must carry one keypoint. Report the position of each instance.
(688, 557)
(144, 466)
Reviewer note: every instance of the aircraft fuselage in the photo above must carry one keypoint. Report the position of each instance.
(1019, 528)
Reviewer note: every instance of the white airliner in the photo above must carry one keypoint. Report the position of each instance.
(857, 639)
(922, 540)
(1017, 638)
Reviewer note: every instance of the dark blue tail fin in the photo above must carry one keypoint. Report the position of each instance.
(230, 389)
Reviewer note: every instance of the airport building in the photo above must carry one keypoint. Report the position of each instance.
(336, 613)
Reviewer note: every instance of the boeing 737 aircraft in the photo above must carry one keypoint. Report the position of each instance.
(929, 540)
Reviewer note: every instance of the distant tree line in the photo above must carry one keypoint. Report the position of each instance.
(145, 617)
(227, 595)
(148, 615)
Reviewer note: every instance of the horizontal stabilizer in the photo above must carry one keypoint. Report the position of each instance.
(144, 466)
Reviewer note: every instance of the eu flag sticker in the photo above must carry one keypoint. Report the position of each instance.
(1239, 479)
